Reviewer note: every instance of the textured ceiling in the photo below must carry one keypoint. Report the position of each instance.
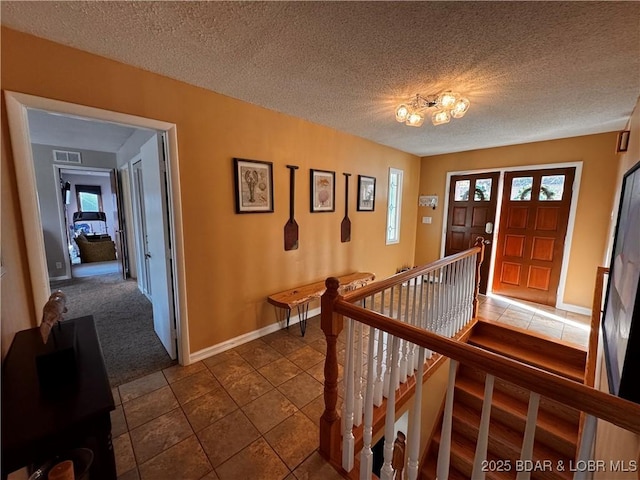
(65, 131)
(532, 70)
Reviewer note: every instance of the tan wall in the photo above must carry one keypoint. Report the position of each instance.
(613, 442)
(590, 236)
(232, 262)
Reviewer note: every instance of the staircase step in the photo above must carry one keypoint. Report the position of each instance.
(527, 347)
(567, 414)
(552, 431)
(505, 443)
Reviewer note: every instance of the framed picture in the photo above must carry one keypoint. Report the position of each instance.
(323, 191)
(366, 193)
(621, 320)
(254, 186)
(623, 141)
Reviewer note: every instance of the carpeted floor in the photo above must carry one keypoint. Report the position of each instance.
(124, 321)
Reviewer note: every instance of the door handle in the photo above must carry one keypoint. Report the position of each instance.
(488, 228)
(147, 255)
(487, 242)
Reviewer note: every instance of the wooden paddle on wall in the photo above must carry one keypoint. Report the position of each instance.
(345, 226)
(291, 227)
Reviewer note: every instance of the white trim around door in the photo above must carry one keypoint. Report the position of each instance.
(17, 105)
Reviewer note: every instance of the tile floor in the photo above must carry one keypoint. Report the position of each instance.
(252, 412)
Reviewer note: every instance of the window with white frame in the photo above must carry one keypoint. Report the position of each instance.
(394, 207)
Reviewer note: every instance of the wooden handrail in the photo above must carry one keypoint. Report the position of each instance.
(400, 278)
(596, 310)
(613, 409)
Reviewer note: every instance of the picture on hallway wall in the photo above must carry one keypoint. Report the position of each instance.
(621, 320)
(253, 186)
(366, 193)
(323, 192)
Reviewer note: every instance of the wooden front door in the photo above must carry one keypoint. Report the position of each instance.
(533, 226)
(472, 215)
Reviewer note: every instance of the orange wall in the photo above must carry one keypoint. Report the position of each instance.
(590, 236)
(232, 262)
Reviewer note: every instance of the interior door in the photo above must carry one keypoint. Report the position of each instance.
(472, 215)
(533, 226)
(158, 251)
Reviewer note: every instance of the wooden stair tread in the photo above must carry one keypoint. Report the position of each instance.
(505, 443)
(551, 429)
(569, 414)
(532, 356)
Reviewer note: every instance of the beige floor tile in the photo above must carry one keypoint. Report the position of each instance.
(260, 355)
(116, 396)
(316, 468)
(315, 409)
(193, 386)
(279, 371)
(320, 345)
(248, 387)
(245, 347)
(312, 335)
(159, 434)
(294, 439)
(178, 372)
(269, 410)
(123, 452)
(220, 357)
(257, 461)
(285, 344)
(513, 321)
(301, 389)
(577, 317)
(185, 461)
(228, 371)
(141, 386)
(306, 357)
(209, 408)
(226, 437)
(130, 475)
(118, 423)
(317, 372)
(147, 407)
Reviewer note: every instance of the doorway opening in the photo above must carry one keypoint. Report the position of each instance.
(149, 141)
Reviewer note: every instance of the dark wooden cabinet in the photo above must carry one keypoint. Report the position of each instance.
(39, 423)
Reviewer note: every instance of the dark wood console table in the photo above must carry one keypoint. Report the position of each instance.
(37, 424)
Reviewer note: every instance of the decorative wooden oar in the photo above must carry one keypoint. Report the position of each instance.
(345, 226)
(291, 227)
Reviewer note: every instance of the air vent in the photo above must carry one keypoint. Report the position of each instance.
(66, 157)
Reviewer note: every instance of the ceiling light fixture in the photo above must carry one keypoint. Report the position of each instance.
(447, 105)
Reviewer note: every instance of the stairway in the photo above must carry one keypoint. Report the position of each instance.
(557, 424)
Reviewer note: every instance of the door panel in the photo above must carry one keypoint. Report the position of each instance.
(535, 209)
(158, 255)
(472, 207)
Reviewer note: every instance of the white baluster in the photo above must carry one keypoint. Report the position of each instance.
(430, 308)
(414, 428)
(402, 377)
(483, 431)
(348, 441)
(411, 313)
(444, 453)
(366, 456)
(471, 284)
(357, 408)
(586, 447)
(447, 302)
(387, 371)
(386, 472)
(529, 434)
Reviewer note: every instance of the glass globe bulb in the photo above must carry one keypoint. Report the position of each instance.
(402, 112)
(447, 100)
(460, 108)
(440, 117)
(415, 119)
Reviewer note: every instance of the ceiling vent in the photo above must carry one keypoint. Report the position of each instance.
(66, 157)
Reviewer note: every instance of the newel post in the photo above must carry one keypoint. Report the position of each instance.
(332, 324)
(479, 259)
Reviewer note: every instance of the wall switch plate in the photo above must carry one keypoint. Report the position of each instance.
(426, 220)
(58, 264)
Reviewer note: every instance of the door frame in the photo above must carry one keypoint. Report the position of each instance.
(17, 105)
(560, 303)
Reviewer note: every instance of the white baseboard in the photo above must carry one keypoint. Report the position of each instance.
(574, 308)
(63, 277)
(246, 337)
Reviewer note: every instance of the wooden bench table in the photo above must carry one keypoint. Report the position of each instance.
(300, 297)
